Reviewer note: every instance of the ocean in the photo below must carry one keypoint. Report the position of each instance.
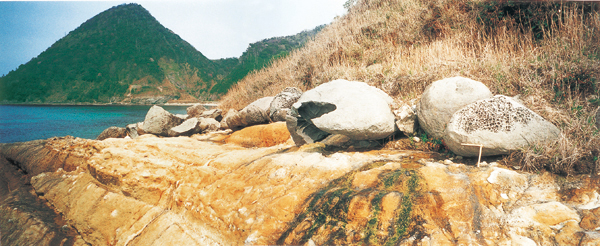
(20, 123)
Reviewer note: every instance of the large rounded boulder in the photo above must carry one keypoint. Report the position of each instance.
(158, 121)
(444, 97)
(500, 124)
(350, 108)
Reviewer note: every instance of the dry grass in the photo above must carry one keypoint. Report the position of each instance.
(546, 52)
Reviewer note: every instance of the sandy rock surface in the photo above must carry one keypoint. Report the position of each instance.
(200, 190)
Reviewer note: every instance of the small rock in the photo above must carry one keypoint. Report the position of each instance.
(187, 128)
(448, 162)
(280, 106)
(416, 139)
(213, 113)
(405, 119)
(458, 157)
(112, 132)
(208, 125)
(135, 130)
(255, 113)
(195, 110)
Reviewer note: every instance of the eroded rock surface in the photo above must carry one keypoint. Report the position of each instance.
(500, 124)
(282, 102)
(112, 132)
(255, 113)
(444, 97)
(360, 111)
(198, 191)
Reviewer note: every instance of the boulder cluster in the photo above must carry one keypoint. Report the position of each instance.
(462, 112)
(466, 115)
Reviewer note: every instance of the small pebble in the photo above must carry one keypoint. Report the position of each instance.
(416, 139)
(448, 162)
(517, 167)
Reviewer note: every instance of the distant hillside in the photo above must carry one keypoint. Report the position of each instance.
(124, 55)
(121, 55)
(260, 54)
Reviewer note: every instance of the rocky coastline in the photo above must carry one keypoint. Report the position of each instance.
(253, 177)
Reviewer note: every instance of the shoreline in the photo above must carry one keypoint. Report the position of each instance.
(213, 104)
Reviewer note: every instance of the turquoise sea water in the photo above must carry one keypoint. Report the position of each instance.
(19, 123)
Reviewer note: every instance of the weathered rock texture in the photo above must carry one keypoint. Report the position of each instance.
(187, 128)
(500, 124)
(255, 113)
(266, 135)
(191, 191)
(195, 110)
(406, 120)
(112, 132)
(159, 121)
(444, 97)
(360, 111)
(282, 102)
(135, 130)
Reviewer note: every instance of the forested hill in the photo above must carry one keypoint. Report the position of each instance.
(260, 54)
(124, 55)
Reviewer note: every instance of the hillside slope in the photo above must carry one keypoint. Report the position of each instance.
(261, 54)
(121, 55)
(546, 52)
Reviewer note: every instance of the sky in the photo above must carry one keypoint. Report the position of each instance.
(216, 28)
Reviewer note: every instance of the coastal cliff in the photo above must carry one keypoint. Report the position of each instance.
(200, 190)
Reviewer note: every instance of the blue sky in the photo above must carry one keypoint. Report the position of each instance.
(217, 28)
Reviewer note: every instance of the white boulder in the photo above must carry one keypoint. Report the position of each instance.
(500, 124)
(444, 97)
(350, 108)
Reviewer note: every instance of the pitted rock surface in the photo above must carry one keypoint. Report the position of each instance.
(495, 115)
(501, 124)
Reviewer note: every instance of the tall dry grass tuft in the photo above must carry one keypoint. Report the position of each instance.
(545, 52)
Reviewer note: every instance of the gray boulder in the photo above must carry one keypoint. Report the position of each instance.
(209, 124)
(113, 132)
(195, 110)
(350, 108)
(280, 106)
(187, 128)
(500, 124)
(444, 97)
(159, 121)
(135, 130)
(229, 117)
(255, 113)
(213, 113)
